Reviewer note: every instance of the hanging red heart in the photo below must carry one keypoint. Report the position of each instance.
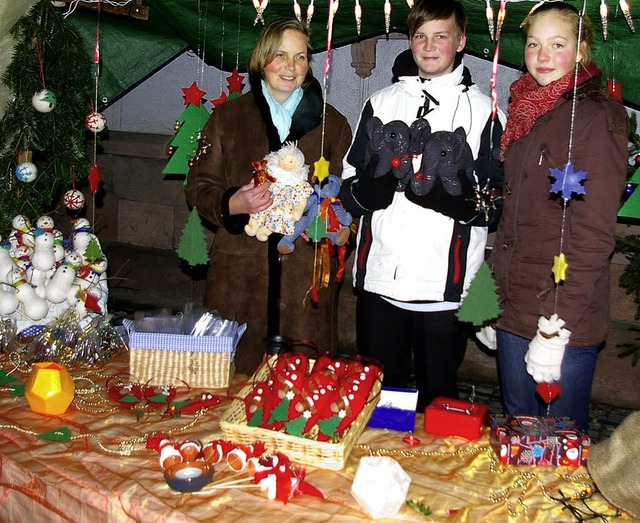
(548, 391)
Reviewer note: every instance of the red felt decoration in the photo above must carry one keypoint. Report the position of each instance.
(235, 81)
(220, 100)
(548, 391)
(95, 177)
(193, 94)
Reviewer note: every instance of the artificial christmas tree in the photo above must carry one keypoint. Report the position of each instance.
(49, 55)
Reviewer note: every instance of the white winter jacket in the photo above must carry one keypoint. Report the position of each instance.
(406, 252)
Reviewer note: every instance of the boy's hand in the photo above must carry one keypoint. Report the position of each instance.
(374, 193)
(461, 208)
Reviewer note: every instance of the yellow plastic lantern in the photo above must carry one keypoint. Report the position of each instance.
(49, 389)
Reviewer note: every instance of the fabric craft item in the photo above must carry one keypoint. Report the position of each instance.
(546, 350)
(529, 101)
(613, 465)
(281, 114)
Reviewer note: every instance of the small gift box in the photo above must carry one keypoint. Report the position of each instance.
(535, 440)
(453, 417)
(396, 410)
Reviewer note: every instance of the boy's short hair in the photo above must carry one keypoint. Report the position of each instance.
(427, 10)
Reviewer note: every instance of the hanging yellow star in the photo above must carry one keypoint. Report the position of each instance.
(321, 169)
(560, 267)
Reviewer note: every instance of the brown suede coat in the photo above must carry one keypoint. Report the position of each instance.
(529, 233)
(239, 132)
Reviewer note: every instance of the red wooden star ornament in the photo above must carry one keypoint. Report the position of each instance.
(220, 100)
(235, 81)
(193, 95)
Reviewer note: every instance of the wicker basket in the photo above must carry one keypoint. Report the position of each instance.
(173, 359)
(302, 450)
(167, 367)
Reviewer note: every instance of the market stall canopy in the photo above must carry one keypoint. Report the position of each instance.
(223, 32)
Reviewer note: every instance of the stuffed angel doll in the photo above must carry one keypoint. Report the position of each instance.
(289, 191)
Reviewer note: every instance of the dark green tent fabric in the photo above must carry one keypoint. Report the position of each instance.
(223, 31)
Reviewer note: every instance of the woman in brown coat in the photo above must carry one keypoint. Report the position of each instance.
(553, 325)
(246, 276)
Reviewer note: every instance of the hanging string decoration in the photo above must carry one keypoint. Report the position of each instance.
(357, 11)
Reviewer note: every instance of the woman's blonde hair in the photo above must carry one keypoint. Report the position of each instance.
(571, 15)
(269, 41)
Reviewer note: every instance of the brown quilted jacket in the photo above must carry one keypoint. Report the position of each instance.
(531, 230)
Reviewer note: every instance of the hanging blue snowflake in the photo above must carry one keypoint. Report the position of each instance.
(568, 181)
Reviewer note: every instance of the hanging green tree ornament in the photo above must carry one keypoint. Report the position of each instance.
(193, 243)
(185, 142)
(481, 302)
(48, 56)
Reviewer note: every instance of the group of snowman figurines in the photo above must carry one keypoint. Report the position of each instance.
(44, 275)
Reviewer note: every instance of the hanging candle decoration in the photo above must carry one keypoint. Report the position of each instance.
(44, 101)
(357, 11)
(26, 172)
(310, 10)
(73, 200)
(95, 122)
(604, 12)
(297, 11)
(489, 14)
(387, 16)
(624, 7)
(260, 6)
(502, 13)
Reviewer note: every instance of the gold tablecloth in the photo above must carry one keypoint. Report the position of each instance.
(88, 479)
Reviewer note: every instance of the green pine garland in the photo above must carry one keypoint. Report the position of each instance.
(57, 138)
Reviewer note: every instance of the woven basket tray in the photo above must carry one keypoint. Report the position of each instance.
(167, 367)
(302, 450)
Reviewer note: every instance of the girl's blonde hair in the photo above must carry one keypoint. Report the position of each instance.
(570, 15)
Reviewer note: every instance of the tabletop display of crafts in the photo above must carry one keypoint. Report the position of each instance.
(312, 410)
(53, 293)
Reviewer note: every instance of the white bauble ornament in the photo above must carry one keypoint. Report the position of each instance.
(95, 122)
(73, 199)
(44, 101)
(26, 172)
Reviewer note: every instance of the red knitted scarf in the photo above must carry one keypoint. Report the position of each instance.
(529, 101)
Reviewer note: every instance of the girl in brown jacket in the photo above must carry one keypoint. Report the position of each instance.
(552, 324)
(285, 104)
